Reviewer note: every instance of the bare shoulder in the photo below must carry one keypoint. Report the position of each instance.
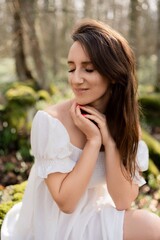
(60, 110)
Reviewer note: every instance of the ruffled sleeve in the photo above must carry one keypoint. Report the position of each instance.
(50, 145)
(142, 163)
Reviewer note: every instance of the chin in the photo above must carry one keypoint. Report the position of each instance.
(82, 102)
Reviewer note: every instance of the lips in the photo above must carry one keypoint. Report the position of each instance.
(80, 90)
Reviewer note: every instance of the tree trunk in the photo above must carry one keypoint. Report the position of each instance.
(22, 70)
(88, 7)
(46, 4)
(28, 11)
(157, 87)
(67, 20)
(134, 28)
(55, 46)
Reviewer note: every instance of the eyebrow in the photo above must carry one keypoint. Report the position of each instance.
(84, 62)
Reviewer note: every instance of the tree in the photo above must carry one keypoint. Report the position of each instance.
(28, 9)
(67, 18)
(22, 69)
(134, 26)
(24, 28)
(88, 7)
(48, 22)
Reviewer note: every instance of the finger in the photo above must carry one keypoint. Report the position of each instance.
(93, 111)
(100, 122)
(77, 117)
(78, 111)
(88, 108)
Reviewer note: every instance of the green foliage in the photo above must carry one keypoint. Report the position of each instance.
(7, 69)
(20, 101)
(4, 208)
(8, 139)
(10, 196)
(53, 89)
(44, 95)
(151, 108)
(147, 69)
(151, 102)
(153, 168)
(24, 95)
(151, 119)
(149, 196)
(9, 166)
(154, 147)
(154, 182)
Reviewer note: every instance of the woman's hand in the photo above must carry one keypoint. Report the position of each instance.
(90, 130)
(100, 120)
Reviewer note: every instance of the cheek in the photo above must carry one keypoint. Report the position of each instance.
(102, 86)
(105, 87)
(101, 81)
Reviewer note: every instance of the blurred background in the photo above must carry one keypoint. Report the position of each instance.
(34, 42)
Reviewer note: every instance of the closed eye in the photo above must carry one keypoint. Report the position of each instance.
(89, 70)
(71, 70)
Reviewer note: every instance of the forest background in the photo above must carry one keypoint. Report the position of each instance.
(34, 42)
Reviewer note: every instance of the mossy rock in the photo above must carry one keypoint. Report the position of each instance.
(4, 208)
(21, 94)
(154, 147)
(10, 196)
(151, 108)
(151, 102)
(43, 95)
(153, 168)
(13, 192)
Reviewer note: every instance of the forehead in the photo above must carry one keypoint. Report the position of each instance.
(78, 51)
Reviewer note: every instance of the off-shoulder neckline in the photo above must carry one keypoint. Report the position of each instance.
(62, 125)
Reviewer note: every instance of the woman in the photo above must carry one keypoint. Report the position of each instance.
(88, 152)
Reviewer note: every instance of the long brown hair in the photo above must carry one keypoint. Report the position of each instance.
(112, 57)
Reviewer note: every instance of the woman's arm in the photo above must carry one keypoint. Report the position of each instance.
(122, 191)
(67, 189)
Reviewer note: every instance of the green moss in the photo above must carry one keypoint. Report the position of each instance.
(19, 188)
(152, 143)
(22, 94)
(154, 182)
(17, 197)
(151, 108)
(53, 89)
(4, 208)
(43, 95)
(153, 169)
(151, 102)
(154, 147)
(10, 196)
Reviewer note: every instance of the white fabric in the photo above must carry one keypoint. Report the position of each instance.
(39, 218)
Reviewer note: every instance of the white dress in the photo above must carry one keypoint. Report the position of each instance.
(38, 216)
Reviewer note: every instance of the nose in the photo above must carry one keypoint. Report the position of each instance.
(77, 77)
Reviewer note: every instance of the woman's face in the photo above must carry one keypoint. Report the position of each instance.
(88, 85)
